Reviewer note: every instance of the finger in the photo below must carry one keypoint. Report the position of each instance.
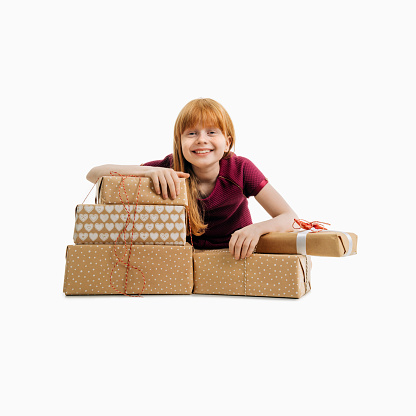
(251, 248)
(171, 185)
(231, 244)
(155, 180)
(183, 174)
(177, 182)
(237, 249)
(244, 248)
(164, 186)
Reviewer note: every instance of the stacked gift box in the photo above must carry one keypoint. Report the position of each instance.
(132, 241)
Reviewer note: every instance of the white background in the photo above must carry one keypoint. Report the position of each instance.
(322, 96)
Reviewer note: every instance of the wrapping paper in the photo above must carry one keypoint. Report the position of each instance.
(166, 269)
(323, 243)
(109, 189)
(147, 224)
(216, 272)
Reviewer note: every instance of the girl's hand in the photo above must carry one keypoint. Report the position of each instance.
(243, 241)
(164, 178)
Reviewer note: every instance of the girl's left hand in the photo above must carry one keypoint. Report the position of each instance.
(243, 241)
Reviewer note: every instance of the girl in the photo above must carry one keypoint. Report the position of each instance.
(219, 181)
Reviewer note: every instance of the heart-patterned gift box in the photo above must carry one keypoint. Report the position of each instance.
(142, 224)
(135, 190)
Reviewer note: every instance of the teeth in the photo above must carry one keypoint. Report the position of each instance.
(204, 151)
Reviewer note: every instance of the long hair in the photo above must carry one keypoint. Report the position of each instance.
(206, 112)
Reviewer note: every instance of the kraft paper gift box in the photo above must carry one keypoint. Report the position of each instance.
(145, 224)
(216, 272)
(322, 243)
(110, 188)
(166, 270)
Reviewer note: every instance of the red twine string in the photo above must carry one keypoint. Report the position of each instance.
(125, 235)
(314, 226)
(127, 248)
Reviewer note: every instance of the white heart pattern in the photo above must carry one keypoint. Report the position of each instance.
(169, 226)
(154, 217)
(159, 208)
(99, 208)
(109, 226)
(119, 226)
(88, 227)
(149, 208)
(174, 217)
(88, 208)
(138, 227)
(149, 227)
(114, 236)
(144, 217)
(154, 236)
(164, 236)
(144, 236)
(93, 217)
(99, 226)
(104, 217)
(164, 217)
(109, 208)
(159, 226)
(93, 236)
(83, 217)
(78, 226)
(169, 208)
(179, 226)
(104, 236)
(79, 208)
(114, 217)
(118, 208)
(83, 236)
(174, 236)
(178, 208)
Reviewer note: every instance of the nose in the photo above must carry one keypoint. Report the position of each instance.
(202, 137)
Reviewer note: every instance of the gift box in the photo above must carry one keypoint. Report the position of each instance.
(101, 269)
(135, 190)
(216, 272)
(323, 243)
(144, 224)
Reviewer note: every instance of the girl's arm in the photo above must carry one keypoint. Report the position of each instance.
(164, 179)
(243, 241)
(104, 170)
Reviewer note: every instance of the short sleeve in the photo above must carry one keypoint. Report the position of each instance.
(254, 180)
(167, 162)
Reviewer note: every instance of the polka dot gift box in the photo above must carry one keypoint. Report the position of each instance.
(135, 190)
(118, 224)
(154, 269)
(216, 272)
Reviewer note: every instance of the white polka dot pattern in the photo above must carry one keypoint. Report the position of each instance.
(108, 192)
(216, 272)
(145, 224)
(167, 270)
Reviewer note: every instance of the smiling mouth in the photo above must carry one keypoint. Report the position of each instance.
(202, 153)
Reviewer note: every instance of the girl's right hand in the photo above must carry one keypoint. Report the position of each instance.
(164, 178)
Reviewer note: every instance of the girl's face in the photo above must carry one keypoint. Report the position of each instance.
(204, 146)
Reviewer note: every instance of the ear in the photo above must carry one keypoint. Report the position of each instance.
(228, 143)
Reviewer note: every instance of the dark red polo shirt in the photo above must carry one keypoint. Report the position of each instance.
(225, 210)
